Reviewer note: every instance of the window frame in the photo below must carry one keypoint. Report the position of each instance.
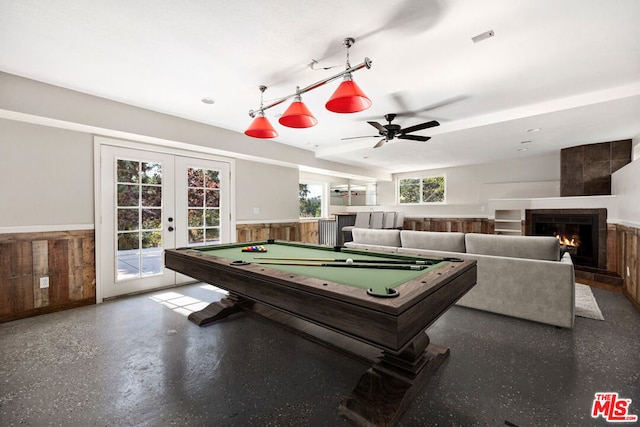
(421, 179)
(324, 202)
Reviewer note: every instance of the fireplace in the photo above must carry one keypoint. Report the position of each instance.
(581, 231)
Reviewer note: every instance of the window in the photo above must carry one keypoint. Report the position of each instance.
(138, 213)
(311, 200)
(203, 199)
(421, 190)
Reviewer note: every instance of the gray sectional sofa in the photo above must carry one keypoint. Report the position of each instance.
(519, 276)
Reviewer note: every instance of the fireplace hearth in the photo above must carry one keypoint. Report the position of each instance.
(582, 231)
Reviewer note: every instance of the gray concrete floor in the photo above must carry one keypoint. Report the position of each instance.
(138, 361)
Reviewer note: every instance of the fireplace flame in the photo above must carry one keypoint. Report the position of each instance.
(566, 241)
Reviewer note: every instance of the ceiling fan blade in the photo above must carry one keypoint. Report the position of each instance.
(360, 137)
(398, 98)
(380, 143)
(406, 112)
(378, 126)
(415, 137)
(421, 126)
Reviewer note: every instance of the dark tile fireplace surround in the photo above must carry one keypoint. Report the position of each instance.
(584, 171)
(586, 226)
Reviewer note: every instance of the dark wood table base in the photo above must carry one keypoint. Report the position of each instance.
(218, 310)
(386, 389)
(383, 392)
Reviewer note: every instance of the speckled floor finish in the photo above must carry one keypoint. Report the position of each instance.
(138, 361)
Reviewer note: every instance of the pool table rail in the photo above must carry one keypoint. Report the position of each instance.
(387, 323)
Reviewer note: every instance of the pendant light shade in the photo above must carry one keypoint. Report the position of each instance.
(261, 128)
(348, 98)
(298, 116)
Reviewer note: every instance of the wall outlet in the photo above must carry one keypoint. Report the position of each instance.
(44, 282)
(256, 211)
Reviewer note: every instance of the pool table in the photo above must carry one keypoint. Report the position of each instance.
(384, 301)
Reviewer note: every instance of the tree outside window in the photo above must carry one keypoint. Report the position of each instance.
(421, 190)
(310, 196)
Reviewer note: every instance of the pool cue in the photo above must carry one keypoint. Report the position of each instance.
(371, 261)
(323, 264)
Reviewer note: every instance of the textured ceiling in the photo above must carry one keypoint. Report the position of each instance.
(570, 68)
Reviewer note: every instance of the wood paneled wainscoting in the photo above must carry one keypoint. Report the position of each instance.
(67, 258)
(303, 231)
(623, 257)
(462, 225)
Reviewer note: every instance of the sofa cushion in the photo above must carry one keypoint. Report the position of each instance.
(376, 237)
(532, 247)
(433, 240)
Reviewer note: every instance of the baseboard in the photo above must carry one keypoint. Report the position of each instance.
(48, 309)
(599, 278)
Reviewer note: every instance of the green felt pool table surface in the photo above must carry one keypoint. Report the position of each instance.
(369, 277)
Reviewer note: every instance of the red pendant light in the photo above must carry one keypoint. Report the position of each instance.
(348, 98)
(261, 128)
(298, 115)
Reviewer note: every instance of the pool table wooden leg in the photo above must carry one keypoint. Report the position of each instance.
(386, 389)
(218, 310)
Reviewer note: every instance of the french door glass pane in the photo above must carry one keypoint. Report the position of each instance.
(139, 219)
(128, 195)
(203, 206)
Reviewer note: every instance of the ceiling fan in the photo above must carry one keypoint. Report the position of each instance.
(391, 131)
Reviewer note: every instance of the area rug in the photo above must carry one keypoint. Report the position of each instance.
(586, 304)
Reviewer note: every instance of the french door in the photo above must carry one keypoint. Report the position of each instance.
(150, 202)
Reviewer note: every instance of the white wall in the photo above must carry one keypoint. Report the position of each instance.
(470, 188)
(29, 100)
(266, 192)
(46, 176)
(635, 153)
(57, 165)
(46, 158)
(47, 181)
(625, 184)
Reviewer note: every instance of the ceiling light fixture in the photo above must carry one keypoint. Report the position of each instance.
(348, 98)
(298, 115)
(260, 127)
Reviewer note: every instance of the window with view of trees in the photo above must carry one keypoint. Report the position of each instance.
(203, 206)
(310, 196)
(421, 190)
(139, 217)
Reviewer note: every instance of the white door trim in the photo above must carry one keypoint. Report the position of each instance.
(98, 142)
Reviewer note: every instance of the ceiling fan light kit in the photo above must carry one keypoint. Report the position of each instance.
(348, 98)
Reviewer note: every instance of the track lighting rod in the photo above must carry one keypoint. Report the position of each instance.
(365, 64)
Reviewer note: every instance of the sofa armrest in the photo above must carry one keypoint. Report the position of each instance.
(538, 290)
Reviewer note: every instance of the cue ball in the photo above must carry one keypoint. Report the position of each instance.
(349, 261)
